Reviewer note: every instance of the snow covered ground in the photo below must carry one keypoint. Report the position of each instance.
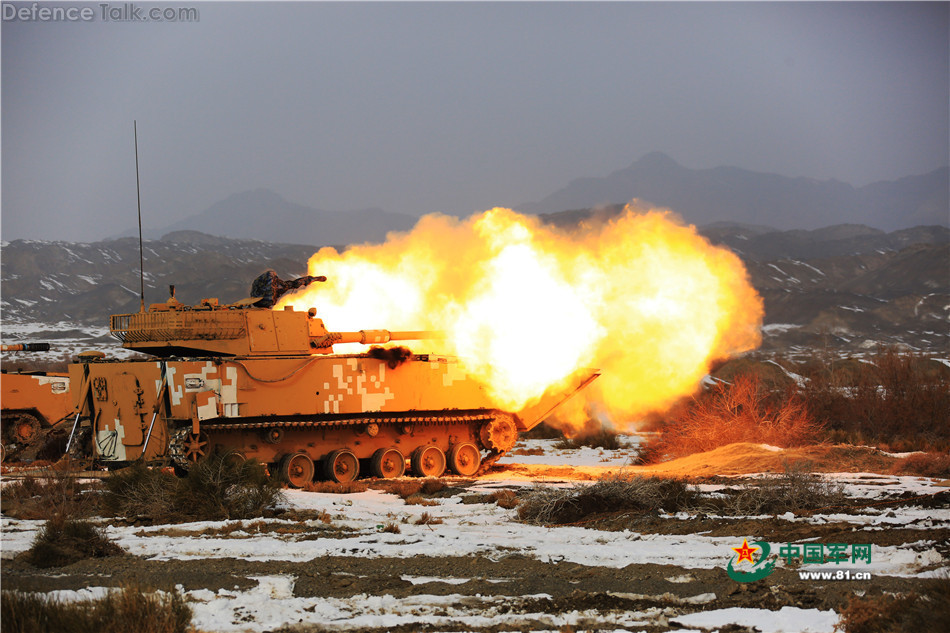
(465, 530)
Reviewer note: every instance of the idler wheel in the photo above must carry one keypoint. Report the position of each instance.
(341, 466)
(464, 459)
(296, 469)
(500, 434)
(388, 463)
(428, 461)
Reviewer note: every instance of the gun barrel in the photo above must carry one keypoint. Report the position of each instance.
(375, 337)
(25, 347)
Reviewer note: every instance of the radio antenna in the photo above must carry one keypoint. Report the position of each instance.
(138, 195)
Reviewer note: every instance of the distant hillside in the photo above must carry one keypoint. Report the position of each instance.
(263, 215)
(846, 287)
(50, 282)
(732, 194)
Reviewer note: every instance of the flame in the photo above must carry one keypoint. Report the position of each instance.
(524, 305)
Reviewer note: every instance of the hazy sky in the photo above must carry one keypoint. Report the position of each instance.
(452, 107)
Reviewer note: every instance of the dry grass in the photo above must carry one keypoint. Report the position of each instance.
(129, 610)
(50, 495)
(924, 465)
(528, 451)
(428, 519)
(333, 487)
(392, 527)
(505, 498)
(409, 488)
(593, 437)
(547, 505)
(927, 609)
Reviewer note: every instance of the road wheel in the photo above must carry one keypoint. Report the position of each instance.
(341, 466)
(428, 461)
(296, 469)
(388, 463)
(464, 459)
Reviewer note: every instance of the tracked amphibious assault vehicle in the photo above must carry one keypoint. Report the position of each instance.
(265, 384)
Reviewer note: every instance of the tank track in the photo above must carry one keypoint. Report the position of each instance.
(354, 421)
(178, 453)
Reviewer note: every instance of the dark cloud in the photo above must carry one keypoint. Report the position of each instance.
(454, 107)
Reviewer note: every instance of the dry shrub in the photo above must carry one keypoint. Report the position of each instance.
(743, 411)
(549, 505)
(543, 431)
(218, 487)
(505, 498)
(129, 610)
(407, 488)
(62, 542)
(392, 527)
(795, 491)
(50, 495)
(428, 519)
(335, 487)
(897, 398)
(927, 609)
(419, 500)
(528, 451)
(924, 465)
(597, 437)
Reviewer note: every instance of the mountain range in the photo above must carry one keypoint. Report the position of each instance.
(846, 288)
(701, 197)
(731, 194)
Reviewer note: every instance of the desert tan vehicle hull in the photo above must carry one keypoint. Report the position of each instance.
(308, 416)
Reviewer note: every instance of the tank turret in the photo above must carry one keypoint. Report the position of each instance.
(238, 329)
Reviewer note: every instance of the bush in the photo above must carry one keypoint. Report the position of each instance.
(899, 399)
(216, 488)
(549, 505)
(53, 494)
(794, 491)
(927, 609)
(221, 487)
(129, 610)
(743, 411)
(140, 492)
(62, 542)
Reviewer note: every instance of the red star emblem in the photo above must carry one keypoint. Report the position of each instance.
(745, 552)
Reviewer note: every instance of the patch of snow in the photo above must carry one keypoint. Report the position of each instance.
(785, 620)
(771, 329)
